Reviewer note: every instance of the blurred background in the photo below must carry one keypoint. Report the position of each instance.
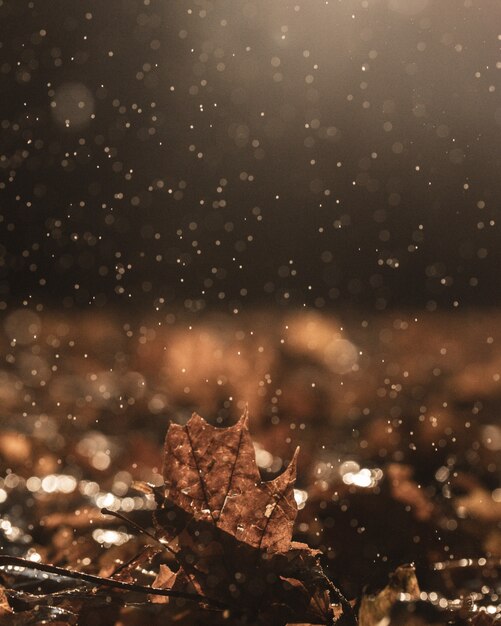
(223, 154)
(290, 206)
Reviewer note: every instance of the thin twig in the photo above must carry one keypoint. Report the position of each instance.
(139, 528)
(106, 582)
(345, 604)
(122, 566)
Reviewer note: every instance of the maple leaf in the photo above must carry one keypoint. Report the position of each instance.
(211, 474)
(232, 531)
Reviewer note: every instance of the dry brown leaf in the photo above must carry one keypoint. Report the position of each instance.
(5, 608)
(211, 474)
(165, 579)
(233, 531)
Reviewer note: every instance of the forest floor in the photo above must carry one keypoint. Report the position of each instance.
(397, 418)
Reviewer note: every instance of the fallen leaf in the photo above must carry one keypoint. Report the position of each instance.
(211, 474)
(233, 531)
(165, 580)
(4, 603)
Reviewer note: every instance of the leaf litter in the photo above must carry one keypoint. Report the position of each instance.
(229, 536)
(222, 553)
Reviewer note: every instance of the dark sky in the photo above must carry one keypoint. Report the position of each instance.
(225, 153)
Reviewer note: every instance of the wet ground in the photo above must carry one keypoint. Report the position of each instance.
(397, 417)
